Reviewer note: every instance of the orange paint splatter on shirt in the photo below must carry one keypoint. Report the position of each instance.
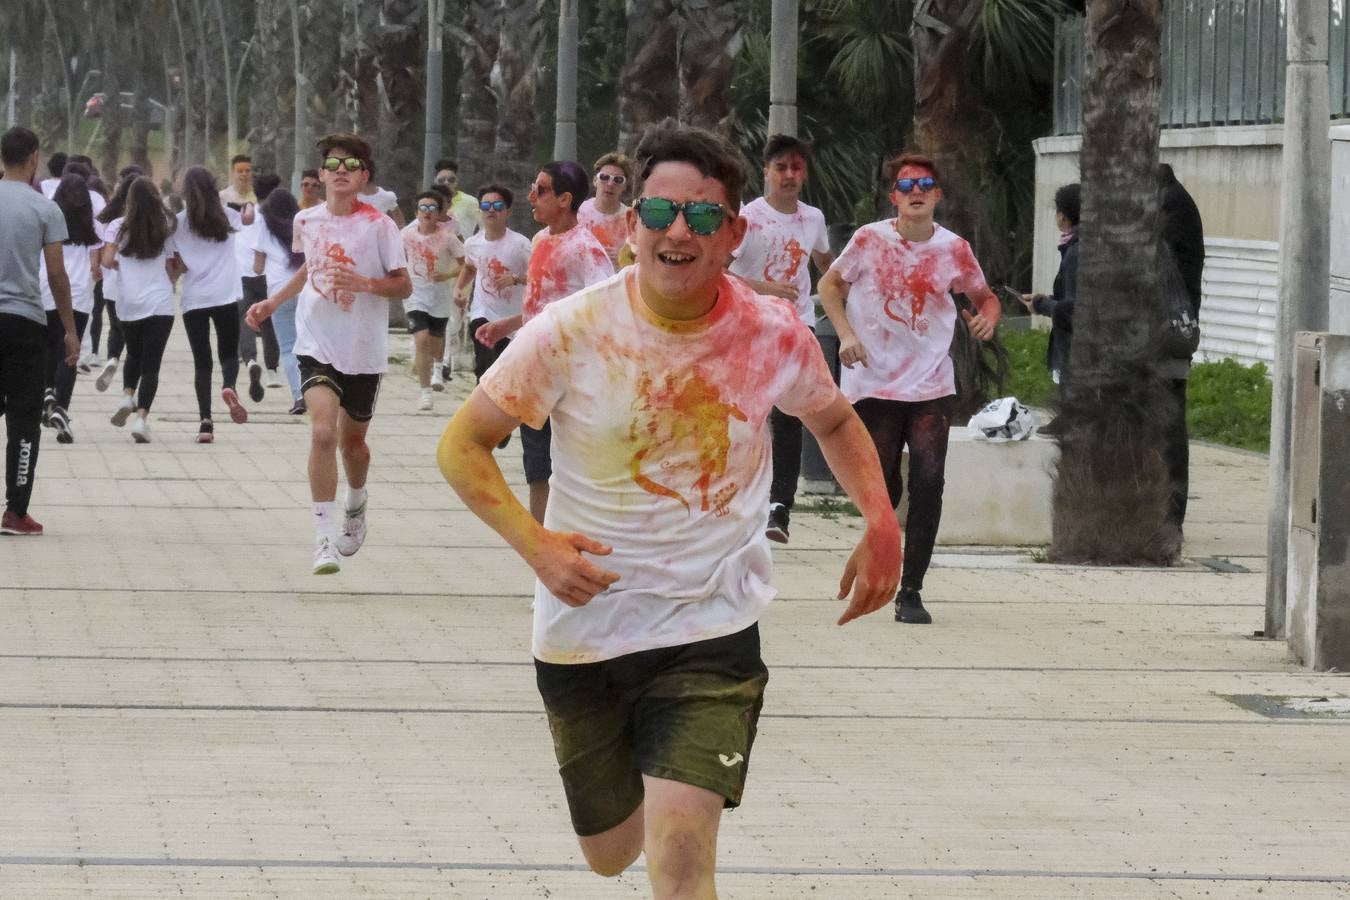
(335, 255)
(790, 263)
(684, 411)
(914, 283)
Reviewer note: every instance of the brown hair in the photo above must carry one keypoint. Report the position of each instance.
(710, 153)
(347, 141)
(896, 163)
(614, 159)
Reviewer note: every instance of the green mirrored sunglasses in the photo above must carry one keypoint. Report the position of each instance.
(702, 216)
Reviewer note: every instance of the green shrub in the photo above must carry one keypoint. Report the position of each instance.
(1226, 402)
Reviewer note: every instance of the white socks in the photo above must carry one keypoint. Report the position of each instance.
(356, 498)
(325, 519)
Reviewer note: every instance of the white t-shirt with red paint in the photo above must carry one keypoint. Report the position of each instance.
(901, 308)
(778, 248)
(344, 329)
(509, 255)
(429, 255)
(661, 449)
(610, 229)
(561, 265)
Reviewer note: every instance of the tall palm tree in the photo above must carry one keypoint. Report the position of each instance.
(478, 36)
(515, 84)
(649, 88)
(1110, 496)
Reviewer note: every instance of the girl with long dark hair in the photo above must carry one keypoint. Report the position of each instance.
(79, 254)
(105, 297)
(141, 248)
(205, 241)
(274, 259)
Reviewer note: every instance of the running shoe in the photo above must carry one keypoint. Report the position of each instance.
(326, 560)
(61, 422)
(909, 608)
(255, 385)
(206, 432)
(273, 378)
(124, 410)
(353, 531)
(777, 529)
(106, 376)
(140, 430)
(501, 445)
(424, 401)
(48, 404)
(437, 379)
(238, 415)
(25, 525)
(299, 408)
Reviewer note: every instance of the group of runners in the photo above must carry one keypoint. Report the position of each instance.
(658, 360)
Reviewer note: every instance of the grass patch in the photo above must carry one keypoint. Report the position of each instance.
(827, 507)
(1226, 402)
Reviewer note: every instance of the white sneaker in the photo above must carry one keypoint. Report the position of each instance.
(124, 410)
(353, 531)
(326, 560)
(424, 401)
(140, 430)
(437, 379)
(106, 376)
(273, 378)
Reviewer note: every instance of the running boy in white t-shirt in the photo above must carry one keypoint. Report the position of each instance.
(434, 256)
(491, 284)
(354, 265)
(897, 278)
(660, 382)
(605, 214)
(783, 237)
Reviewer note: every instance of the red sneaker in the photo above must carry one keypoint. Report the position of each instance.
(238, 414)
(13, 523)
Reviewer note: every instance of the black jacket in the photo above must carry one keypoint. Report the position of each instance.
(1059, 306)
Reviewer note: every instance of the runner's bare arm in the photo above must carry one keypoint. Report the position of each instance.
(264, 308)
(489, 333)
(982, 324)
(467, 273)
(59, 283)
(465, 458)
(259, 262)
(773, 288)
(395, 285)
(833, 296)
(823, 261)
(873, 570)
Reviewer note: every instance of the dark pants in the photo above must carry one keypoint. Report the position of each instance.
(483, 356)
(255, 290)
(1177, 454)
(787, 457)
(146, 340)
(921, 427)
(23, 346)
(117, 341)
(96, 320)
(60, 378)
(198, 324)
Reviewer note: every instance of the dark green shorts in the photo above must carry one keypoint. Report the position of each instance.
(685, 713)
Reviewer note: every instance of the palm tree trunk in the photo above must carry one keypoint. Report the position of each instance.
(188, 158)
(478, 37)
(515, 82)
(711, 35)
(1111, 491)
(231, 123)
(648, 88)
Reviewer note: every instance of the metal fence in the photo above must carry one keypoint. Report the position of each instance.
(1223, 63)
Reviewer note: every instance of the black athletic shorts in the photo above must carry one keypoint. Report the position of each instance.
(425, 321)
(686, 714)
(536, 447)
(356, 393)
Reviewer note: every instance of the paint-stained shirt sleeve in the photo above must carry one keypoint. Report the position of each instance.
(850, 262)
(530, 377)
(595, 264)
(811, 387)
(969, 276)
(393, 256)
(822, 234)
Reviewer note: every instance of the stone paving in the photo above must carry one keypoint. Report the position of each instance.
(186, 711)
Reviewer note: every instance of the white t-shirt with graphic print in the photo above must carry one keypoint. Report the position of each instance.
(661, 449)
(901, 308)
(347, 330)
(429, 255)
(778, 248)
(509, 255)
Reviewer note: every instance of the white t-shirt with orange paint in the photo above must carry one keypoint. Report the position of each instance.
(610, 229)
(661, 450)
(344, 329)
(901, 308)
(509, 255)
(429, 255)
(778, 248)
(561, 265)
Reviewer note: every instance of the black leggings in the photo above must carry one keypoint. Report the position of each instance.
(923, 428)
(116, 340)
(146, 340)
(22, 345)
(60, 377)
(787, 457)
(255, 289)
(198, 323)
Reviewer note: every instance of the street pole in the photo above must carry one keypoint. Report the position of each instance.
(1305, 264)
(10, 118)
(301, 105)
(783, 67)
(431, 143)
(565, 128)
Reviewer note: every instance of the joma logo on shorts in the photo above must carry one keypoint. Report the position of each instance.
(25, 463)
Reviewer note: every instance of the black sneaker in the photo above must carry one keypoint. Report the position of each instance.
(255, 385)
(501, 445)
(61, 422)
(777, 529)
(909, 608)
(299, 408)
(48, 404)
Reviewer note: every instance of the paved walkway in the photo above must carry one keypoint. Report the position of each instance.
(185, 711)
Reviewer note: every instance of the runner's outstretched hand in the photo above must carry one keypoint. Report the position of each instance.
(568, 575)
(872, 573)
